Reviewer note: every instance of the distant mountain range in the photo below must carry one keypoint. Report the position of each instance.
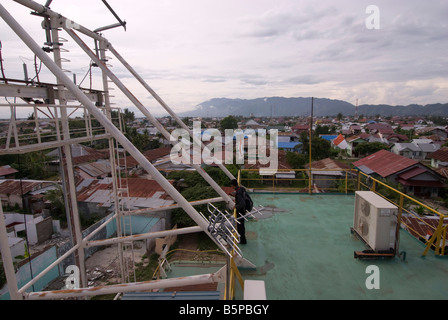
(279, 106)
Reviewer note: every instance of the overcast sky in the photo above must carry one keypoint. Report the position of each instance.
(190, 51)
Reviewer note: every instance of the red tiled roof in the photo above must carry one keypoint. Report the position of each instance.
(385, 163)
(338, 139)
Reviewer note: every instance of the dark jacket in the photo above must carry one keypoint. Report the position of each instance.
(240, 202)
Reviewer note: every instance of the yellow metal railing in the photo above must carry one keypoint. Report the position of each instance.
(198, 255)
(405, 204)
(348, 181)
(321, 180)
(234, 272)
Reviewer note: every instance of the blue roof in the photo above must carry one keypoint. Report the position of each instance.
(288, 145)
(328, 137)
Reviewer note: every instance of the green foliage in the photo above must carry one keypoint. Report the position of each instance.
(229, 122)
(198, 192)
(30, 165)
(368, 148)
(140, 141)
(320, 148)
(295, 160)
(2, 275)
(194, 187)
(56, 197)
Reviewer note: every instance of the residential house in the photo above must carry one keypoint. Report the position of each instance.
(439, 158)
(339, 142)
(355, 129)
(327, 173)
(19, 192)
(290, 146)
(7, 172)
(152, 155)
(376, 138)
(252, 124)
(439, 132)
(38, 229)
(285, 173)
(418, 151)
(328, 137)
(397, 138)
(299, 128)
(99, 169)
(352, 142)
(96, 198)
(287, 137)
(415, 178)
(80, 154)
(380, 128)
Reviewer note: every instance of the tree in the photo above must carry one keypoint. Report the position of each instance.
(229, 122)
(339, 116)
(128, 116)
(56, 198)
(295, 160)
(368, 148)
(320, 148)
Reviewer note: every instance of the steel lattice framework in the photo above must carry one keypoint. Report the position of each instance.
(61, 100)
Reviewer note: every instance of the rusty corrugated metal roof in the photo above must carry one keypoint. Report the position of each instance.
(5, 170)
(151, 155)
(385, 163)
(17, 187)
(441, 154)
(138, 188)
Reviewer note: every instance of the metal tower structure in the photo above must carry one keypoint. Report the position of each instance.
(56, 103)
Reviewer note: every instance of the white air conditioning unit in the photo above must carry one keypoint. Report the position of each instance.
(375, 220)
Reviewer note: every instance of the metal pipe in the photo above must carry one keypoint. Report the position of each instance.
(67, 167)
(47, 269)
(143, 236)
(149, 210)
(163, 104)
(218, 276)
(133, 151)
(173, 206)
(8, 265)
(142, 108)
(47, 11)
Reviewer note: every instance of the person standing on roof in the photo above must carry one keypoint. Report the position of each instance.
(240, 206)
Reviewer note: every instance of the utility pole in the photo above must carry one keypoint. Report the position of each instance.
(310, 187)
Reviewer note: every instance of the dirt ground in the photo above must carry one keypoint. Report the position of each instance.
(103, 267)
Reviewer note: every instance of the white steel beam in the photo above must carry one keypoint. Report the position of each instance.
(109, 126)
(8, 265)
(47, 11)
(143, 236)
(145, 111)
(219, 276)
(68, 175)
(163, 104)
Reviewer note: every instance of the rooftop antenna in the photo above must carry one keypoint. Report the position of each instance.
(356, 110)
(120, 22)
